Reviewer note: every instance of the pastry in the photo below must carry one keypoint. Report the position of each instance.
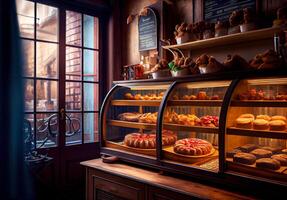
(129, 96)
(277, 125)
(261, 153)
(247, 148)
(278, 117)
(137, 97)
(260, 124)
(244, 158)
(230, 154)
(235, 62)
(201, 95)
(149, 118)
(186, 97)
(282, 158)
(265, 117)
(245, 123)
(192, 146)
(131, 117)
(268, 163)
(192, 97)
(214, 97)
(148, 141)
(249, 116)
(272, 149)
(209, 121)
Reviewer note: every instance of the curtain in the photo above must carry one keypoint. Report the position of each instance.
(14, 176)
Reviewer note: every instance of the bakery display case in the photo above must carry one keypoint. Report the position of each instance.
(256, 128)
(192, 111)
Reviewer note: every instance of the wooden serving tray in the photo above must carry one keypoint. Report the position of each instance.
(170, 154)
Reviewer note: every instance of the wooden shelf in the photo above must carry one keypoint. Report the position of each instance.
(257, 133)
(174, 127)
(210, 103)
(258, 103)
(227, 39)
(135, 102)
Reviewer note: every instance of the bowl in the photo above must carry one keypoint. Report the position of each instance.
(161, 74)
(183, 72)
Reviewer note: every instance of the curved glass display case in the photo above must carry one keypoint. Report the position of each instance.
(256, 128)
(200, 127)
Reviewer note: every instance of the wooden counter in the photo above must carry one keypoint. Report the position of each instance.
(122, 181)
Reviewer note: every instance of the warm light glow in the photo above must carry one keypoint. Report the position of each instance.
(209, 84)
(148, 86)
(270, 81)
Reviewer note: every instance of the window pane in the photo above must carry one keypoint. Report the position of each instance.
(73, 63)
(91, 32)
(91, 127)
(73, 95)
(47, 95)
(25, 13)
(73, 28)
(44, 137)
(91, 65)
(47, 60)
(91, 96)
(28, 48)
(47, 22)
(73, 128)
(29, 95)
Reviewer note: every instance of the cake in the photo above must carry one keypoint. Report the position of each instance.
(244, 158)
(277, 125)
(148, 141)
(261, 153)
(245, 123)
(282, 158)
(192, 146)
(268, 163)
(278, 117)
(260, 124)
(247, 148)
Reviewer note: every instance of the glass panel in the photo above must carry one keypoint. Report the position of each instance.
(73, 28)
(46, 137)
(28, 129)
(47, 60)
(91, 127)
(73, 128)
(28, 48)
(91, 97)
(47, 95)
(73, 63)
(29, 95)
(91, 65)
(26, 16)
(73, 95)
(91, 32)
(47, 22)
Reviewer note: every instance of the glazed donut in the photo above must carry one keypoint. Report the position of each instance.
(192, 146)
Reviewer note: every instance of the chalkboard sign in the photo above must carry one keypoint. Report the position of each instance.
(148, 31)
(221, 9)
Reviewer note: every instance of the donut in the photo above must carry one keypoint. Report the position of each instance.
(192, 146)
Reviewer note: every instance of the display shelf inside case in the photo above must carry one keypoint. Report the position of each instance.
(257, 133)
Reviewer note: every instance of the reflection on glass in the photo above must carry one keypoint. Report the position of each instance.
(91, 96)
(73, 95)
(28, 49)
(46, 137)
(73, 128)
(25, 13)
(47, 22)
(47, 95)
(91, 32)
(73, 28)
(73, 63)
(91, 127)
(29, 95)
(91, 65)
(47, 60)
(28, 133)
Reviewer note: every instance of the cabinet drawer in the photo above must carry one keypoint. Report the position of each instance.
(117, 189)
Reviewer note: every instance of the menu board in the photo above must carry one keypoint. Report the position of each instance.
(221, 9)
(147, 31)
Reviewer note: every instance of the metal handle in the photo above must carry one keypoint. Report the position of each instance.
(62, 114)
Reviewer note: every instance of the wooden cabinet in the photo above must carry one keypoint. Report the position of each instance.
(120, 181)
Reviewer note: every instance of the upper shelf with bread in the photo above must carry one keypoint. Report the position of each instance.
(226, 39)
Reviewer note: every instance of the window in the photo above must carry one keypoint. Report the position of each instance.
(43, 75)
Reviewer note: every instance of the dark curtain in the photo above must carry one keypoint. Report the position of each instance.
(14, 176)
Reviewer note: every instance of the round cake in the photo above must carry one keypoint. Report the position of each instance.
(277, 125)
(245, 123)
(148, 141)
(192, 146)
(260, 124)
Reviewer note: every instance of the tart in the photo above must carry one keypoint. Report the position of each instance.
(268, 163)
(192, 147)
(244, 158)
(277, 125)
(260, 124)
